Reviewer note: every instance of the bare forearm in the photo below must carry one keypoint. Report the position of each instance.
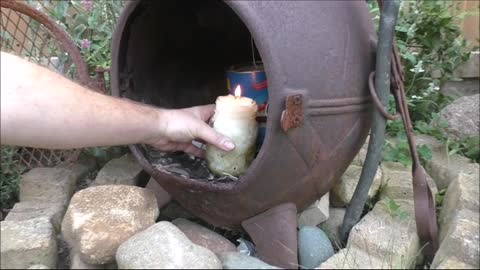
(43, 109)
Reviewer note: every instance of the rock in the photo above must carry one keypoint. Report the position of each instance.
(38, 266)
(465, 87)
(47, 185)
(100, 218)
(27, 243)
(332, 226)
(460, 202)
(444, 168)
(76, 262)
(470, 68)
(398, 185)
(462, 117)
(315, 213)
(453, 264)
(173, 210)
(164, 246)
(342, 192)
(81, 167)
(120, 171)
(314, 247)
(353, 258)
(237, 260)
(161, 194)
(204, 237)
(389, 234)
(461, 244)
(32, 209)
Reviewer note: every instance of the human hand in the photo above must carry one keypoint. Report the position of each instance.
(178, 128)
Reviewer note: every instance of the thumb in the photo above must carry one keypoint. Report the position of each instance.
(211, 136)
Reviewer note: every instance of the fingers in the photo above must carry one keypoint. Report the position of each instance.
(209, 135)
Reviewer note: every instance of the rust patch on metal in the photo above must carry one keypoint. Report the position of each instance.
(292, 116)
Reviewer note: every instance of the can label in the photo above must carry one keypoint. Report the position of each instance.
(253, 81)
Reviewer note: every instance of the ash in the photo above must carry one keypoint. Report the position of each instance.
(184, 165)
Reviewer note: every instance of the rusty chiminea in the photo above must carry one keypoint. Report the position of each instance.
(317, 56)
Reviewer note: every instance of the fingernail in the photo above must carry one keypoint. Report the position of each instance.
(228, 145)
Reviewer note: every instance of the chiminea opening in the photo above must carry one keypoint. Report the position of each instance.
(177, 56)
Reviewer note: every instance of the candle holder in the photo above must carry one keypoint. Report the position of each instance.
(235, 118)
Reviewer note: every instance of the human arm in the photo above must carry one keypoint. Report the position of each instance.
(40, 108)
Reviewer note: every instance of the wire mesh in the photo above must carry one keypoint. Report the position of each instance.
(30, 39)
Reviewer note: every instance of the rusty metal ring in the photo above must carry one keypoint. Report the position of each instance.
(376, 101)
(59, 34)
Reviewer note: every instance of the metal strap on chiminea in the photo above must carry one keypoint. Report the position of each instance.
(387, 58)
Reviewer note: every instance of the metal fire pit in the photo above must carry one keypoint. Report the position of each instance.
(317, 56)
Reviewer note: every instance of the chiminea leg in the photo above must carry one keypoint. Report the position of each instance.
(274, 233)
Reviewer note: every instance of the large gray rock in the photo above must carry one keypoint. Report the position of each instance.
(342, 192)
(47, 185)
(32, 209)
(76, 262)
(398, 184)
(81, 167)
(164, 246)
(314, 247)
(27, 243)
(388, 233)
(470, 68)
(460, 202)
(443, 168)
(204, 237)
(462, 117)
(120, 171)
(461, 244)
(332, 226)
(449, 263)
(100, 218)
(237, 260)
(354, 258)
(316, 213)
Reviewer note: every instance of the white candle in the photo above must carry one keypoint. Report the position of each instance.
(235, 118)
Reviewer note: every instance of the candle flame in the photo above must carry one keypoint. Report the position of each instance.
(238, 91)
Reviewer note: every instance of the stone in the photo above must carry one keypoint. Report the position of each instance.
(38, 266)
(443, 168)
(76, 262)
(120, 171)
(389, 234)
(461, 244)
(470, 68)
(54, 211)
(204, 237)
(465, 87)
(81, 167)
(460, 201)
(237, 260)
(173, 210)
(161, 194)
(453, 264)
(353, 258)
(47, 185)
(342, 192)
(462, 117)
(333, 224)
(314, 247)
(164, 246)
(100, 218)
(398, 185)
(315, 213)
(26, 243)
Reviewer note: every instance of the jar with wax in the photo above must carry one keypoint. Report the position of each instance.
(235, 118)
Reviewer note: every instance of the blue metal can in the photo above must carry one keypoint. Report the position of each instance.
(253, 81)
